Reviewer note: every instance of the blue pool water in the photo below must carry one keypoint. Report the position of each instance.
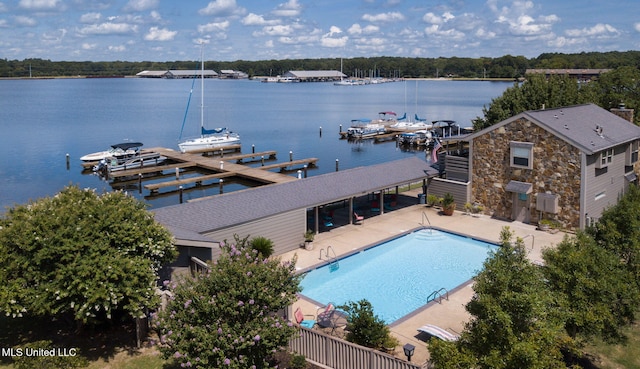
(397, 276)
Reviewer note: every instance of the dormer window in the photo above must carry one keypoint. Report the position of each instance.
(521, 155)
(606, 157)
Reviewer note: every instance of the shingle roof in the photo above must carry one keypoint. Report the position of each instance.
(578, 126)
(316, 73)
(243, 206)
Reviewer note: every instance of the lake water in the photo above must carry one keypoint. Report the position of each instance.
(43, 120)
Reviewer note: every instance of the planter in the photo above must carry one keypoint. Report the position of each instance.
(448, 210)
(308, 245)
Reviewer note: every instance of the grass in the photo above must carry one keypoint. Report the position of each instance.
(618, 356)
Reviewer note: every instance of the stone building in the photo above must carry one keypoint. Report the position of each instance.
(566, 164)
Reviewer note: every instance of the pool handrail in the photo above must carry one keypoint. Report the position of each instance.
(533, 240)
(424, 216)
(438, 295)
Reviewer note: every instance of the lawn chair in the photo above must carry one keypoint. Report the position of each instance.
(358, 218)
(301, 321)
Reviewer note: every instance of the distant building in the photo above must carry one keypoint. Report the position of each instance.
(315, 75)
(173, 74)
(232, 74)
(582, 75)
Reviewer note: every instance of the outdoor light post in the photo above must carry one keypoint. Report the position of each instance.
(408, 350)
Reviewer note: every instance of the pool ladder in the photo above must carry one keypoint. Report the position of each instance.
(333, 260)
(438, 295)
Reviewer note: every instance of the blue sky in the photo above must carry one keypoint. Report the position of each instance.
(165, 30)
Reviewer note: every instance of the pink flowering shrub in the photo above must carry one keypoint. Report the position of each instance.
(228, 318)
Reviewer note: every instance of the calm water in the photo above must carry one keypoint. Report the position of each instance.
(398, 276)
(43, 120)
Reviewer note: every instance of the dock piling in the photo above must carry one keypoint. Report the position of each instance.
(305, 170)
(177, 173)
(221, 190)
(337, 164)
(290, 155)
(320, 131)
(253, 148)
(67, 158)
(180, 190)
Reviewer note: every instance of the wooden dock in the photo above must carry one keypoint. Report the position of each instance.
(218, 167)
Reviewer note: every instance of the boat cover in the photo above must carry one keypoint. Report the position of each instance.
(212, 131)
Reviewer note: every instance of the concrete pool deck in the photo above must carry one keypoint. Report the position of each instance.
(450, 314)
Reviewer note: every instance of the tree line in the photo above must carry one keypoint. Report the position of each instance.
(506, 66)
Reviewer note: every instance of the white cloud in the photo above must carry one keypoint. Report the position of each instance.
(637, 26)
(278, 30)
(258, 20)
(108, 29)
(435, 30)
(213, 27)
(38, 4)
(90, 18)
(222, 8)
(160, 34)
(383, 17)
(23, 21)
(141, 5)
(54, 37)
(334, 41)
(118, 49)
(356, 29)
(88, 46)
(289, 9)
(599, 30)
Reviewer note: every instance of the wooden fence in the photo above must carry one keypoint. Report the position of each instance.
(339, 354)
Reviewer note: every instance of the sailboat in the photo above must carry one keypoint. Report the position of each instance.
(209, 138)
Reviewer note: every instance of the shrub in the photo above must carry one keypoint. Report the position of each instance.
(433, 200)
(364, 327)
(263, 245)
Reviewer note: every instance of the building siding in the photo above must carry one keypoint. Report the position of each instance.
(286, 230)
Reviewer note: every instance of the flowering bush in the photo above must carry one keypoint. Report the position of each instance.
(228, 317)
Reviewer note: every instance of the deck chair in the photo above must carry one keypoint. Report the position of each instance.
(301, 321)
(436, 331)
(358, 218)
(325, 311)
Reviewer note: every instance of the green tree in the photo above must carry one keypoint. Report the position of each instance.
(537, 92)
(621, 85)
(83, 254)
(515, 321)
(228, 317)
(618, 230)
(364, 327)
(599, 295)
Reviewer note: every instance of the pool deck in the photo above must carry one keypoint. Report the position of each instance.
(449, 314)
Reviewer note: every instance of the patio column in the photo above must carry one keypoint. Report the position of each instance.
(350, 213)
(381, 202)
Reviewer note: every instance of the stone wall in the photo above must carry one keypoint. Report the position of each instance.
(556, 169)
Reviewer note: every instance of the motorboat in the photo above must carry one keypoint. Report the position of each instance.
(209, 139)
(363, 128)
(119, 163)
(119, 149)
(416, 138)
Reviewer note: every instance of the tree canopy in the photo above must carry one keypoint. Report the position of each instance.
(228, 317)
(82, 254)
(507, 66)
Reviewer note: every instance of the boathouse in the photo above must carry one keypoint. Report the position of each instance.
(315, 75)
(281, 211)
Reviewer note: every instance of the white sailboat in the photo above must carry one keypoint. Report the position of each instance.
(209, 139)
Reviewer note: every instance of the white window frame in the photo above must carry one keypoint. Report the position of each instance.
(605, 158)
(632, 153)
(518, 148)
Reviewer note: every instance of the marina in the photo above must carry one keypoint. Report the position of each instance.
(42, 147)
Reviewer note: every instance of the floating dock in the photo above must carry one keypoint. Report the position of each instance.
(219, 166)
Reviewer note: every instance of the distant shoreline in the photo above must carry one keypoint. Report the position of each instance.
(133, 76)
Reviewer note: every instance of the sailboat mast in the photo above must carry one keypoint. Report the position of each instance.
(201, 88)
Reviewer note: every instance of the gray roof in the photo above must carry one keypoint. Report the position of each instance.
(198, 217)
(194, 72)
(578, 126)
(316, 73)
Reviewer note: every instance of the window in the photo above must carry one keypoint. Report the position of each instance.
(522, 155)
(632, 153)
(606, 157)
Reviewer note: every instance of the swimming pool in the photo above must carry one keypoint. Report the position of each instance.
(398, 276)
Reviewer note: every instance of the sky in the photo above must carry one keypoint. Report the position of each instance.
(167, 30)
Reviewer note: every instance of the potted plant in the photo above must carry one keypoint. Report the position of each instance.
(468, 208)
(448, 204)
(477, 209)
(308, 239)
(432, 200)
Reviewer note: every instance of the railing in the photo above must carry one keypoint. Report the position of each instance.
(424, 216)
(336, 353)
(438, 295)
(198, 266)
(533, 240)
